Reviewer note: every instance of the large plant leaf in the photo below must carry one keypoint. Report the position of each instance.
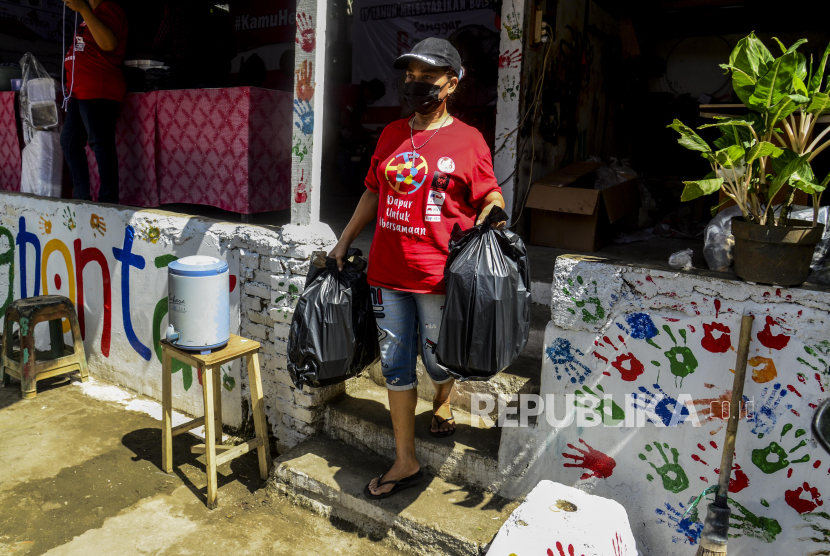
(688, 137)
(699, 188)
(730, 156)
(787, 106)
(812, 187)
(818, 77)
(801, 66)
(800, 87)
(783, 176)
(776, 83)
(762, 149)
(819, 104)
(784, 49)
(748, 61)
(736, 131)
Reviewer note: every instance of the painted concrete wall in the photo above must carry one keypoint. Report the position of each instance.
(666, 342)
(111, 260)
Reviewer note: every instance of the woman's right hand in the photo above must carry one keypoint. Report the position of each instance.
(339, 253)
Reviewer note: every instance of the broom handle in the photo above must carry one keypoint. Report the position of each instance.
(734, 409)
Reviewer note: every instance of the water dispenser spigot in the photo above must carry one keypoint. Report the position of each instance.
(171, 335)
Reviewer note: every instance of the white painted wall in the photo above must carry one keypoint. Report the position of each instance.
(621, 330)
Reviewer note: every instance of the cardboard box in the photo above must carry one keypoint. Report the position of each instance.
(568, 213)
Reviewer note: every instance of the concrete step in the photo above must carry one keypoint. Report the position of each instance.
(434, 518)
(522, 377)
(470, 456)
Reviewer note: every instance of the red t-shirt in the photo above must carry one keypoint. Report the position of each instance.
(421, 198)
(96, 72)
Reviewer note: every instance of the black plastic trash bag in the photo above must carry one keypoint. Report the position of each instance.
(486, 319)
(333, 333)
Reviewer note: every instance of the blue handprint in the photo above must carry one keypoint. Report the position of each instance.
(306, 114)
(688, 526)
(662, 405)
(561, 354)
(765, 417)
(641, 326)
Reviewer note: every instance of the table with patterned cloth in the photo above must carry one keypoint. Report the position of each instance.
(227, 148)
(10, 161)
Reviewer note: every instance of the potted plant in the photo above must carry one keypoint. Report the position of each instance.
(765, 155)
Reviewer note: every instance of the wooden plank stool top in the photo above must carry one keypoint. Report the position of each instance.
(209, 364)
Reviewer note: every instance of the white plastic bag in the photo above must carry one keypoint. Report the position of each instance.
(718, 240)
(38, 93)
(820, 265)
(42, 165)
(682, 260)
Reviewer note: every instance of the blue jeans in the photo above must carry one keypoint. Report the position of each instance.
(405, 321)
(91, 121)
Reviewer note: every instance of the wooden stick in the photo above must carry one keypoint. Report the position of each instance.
(210, 438)
(735, 407)
(167, 433)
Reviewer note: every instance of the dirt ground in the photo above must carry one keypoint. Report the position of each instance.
(82, 475)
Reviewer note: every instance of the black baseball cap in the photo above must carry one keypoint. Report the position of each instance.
(435, 52)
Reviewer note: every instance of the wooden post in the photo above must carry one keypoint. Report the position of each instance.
(511, 47)
(166, 413)
(217, 401)
(307, 138)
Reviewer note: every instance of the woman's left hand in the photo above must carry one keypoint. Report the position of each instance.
(486, 211)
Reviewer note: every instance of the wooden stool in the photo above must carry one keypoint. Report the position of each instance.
(61, 358)
(209, 364)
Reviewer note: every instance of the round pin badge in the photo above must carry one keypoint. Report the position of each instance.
(446, 165)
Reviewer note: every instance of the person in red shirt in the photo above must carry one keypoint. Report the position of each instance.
(96, 87)
(428, 173)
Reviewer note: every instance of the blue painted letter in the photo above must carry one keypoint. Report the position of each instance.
(128, 259)
(24, 237)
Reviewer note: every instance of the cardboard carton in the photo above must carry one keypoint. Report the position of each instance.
(568, 213)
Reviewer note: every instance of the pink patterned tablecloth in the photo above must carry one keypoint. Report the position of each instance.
(228, 148)
(10, 165)
(135, 141)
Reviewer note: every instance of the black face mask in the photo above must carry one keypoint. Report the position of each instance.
(420, 97)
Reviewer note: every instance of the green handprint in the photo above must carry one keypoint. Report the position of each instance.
(508, 85)
(512, 26)
(682, 361)
(587, 316)
(227, 380)
(300, 149)
(761, 528)
(69, 219)
(821, 354)
(821, 528)
(673, 476)
(611, 418)
(760, 456)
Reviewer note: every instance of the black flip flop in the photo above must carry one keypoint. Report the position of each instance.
(400, 485)
(441, 421)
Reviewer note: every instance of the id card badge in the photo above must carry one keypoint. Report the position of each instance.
(79, 43)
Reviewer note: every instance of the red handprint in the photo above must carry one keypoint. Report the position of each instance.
(801, 505)
(305, 85)
(562, 550)
(600, 465)
(627, 364)
(301, 196)
(770, 340)
(307, 34)
(716, 338)
(510, 59)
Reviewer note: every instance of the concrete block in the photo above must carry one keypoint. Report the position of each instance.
(281, 330)
(257, 318)
(255, 330)
(276, 265)
(281, 315)
(267, 348)
(297, 266)
(248, 259)
(318, 396)
(281, 347)
(262, 276)
(288, 283)
(252, 303)
(533, 528)
(265, 264)
(257, 290)
(284, 299)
